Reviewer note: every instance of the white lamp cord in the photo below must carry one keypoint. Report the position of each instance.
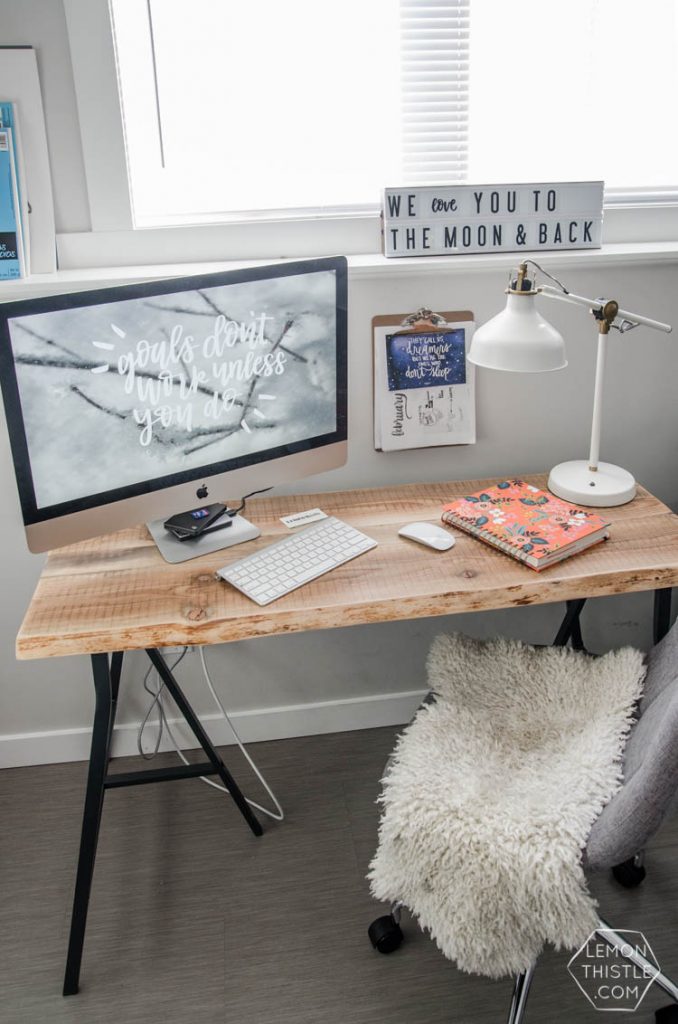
(163, 724)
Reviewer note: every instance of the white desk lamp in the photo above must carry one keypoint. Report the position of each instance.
(519, 339)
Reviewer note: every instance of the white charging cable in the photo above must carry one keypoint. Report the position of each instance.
(163, 724)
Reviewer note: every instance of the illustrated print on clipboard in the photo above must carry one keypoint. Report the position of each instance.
(425, 360)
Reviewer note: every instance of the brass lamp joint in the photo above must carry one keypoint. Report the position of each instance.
(522, 284)
(606, 314)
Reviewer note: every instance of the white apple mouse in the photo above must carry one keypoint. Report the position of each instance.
(429, 534)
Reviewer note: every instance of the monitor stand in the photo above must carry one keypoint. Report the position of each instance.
(173, 550)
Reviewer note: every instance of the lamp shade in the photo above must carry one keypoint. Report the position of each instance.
(518, 339)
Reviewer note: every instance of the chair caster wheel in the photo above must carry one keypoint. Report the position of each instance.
(667, 1014)
(385, 934)
(628, 873)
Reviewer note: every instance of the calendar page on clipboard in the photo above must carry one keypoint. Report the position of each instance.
(424, 394)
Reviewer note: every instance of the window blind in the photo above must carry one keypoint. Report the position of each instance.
(435, 87)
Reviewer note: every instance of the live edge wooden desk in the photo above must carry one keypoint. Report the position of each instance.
(116, 593)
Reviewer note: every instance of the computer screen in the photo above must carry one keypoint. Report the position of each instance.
(125, 392)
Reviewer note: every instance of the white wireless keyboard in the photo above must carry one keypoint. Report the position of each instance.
(274, 571)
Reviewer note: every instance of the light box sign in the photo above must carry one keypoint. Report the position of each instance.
(452, 219)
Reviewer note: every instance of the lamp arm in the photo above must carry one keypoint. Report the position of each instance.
(597, 304)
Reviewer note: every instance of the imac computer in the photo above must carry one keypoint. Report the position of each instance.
(145, 400)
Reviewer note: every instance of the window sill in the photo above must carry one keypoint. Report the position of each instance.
(376, 265)
(369, 265)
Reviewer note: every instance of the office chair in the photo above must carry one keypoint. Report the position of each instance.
(626, 823)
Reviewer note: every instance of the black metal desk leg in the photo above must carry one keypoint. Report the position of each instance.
(116, 672)
(570, 627)
(160, 665)
(577, 639)
(104, 686)
(662, 613)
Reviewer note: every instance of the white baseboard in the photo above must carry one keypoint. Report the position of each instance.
(58, 745)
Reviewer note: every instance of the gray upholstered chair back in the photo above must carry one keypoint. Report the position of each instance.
(637, 810)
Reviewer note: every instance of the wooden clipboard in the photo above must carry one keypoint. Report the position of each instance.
(421, 324)
(421, 321)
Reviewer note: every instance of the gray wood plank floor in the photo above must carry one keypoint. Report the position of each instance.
(193, 919)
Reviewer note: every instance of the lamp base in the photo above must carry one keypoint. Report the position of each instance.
(608, 485)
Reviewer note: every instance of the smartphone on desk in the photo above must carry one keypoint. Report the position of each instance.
(196, 521)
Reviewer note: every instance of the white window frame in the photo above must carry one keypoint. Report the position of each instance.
(92, 48)
(637, 216)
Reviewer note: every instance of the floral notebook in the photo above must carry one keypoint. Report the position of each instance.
(530, 525)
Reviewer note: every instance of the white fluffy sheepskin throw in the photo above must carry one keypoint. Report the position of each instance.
(491, 793)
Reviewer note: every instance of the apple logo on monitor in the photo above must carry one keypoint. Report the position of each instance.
(202, 491)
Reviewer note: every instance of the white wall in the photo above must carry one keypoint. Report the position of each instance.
(525, 424)
(42, 24)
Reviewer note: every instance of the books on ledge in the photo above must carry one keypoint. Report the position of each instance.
(530, 525)
(30, 193)
(13, 207)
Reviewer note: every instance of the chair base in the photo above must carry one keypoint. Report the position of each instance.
(630, 873)
(385, 934)
(607, 934)
(521, 991)
(667, 1014)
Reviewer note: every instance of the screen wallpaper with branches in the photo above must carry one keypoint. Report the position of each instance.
(124, 392)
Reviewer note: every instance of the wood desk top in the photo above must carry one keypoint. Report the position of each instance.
(117, 592)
